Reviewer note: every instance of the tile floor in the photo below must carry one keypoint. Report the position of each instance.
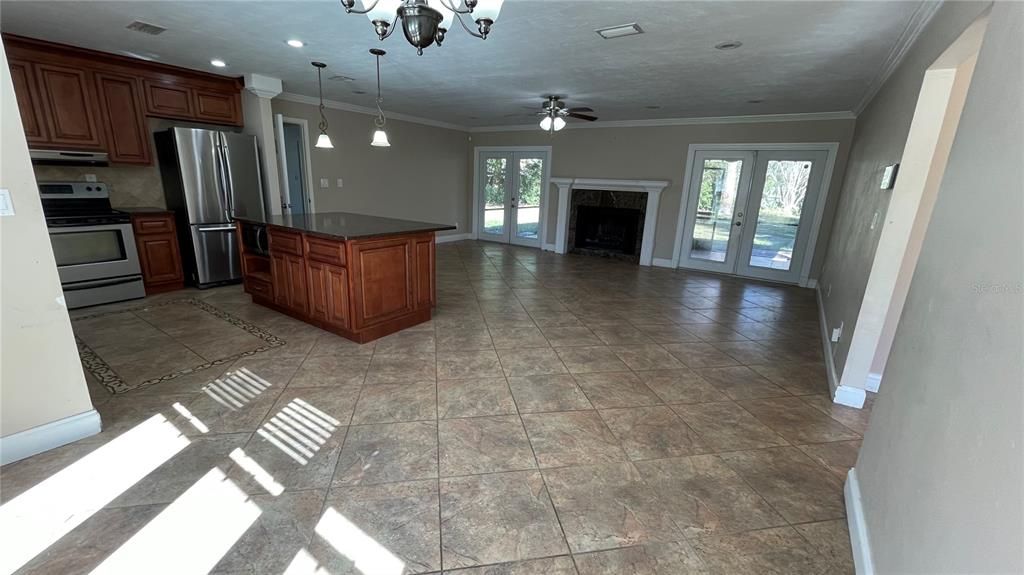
(559, 415)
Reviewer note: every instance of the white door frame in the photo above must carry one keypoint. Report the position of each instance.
(832, 150)
(279, 121)
(546, 150)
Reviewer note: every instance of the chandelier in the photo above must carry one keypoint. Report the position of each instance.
(423, 24)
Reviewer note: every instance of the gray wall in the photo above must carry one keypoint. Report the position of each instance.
(659, 153)
(879, 139)
(940, 467)
(422, 176)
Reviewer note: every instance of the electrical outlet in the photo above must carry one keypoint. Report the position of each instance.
(341, 182)
(90, 177)
(874, 220)
(325, 183)
(837, 333)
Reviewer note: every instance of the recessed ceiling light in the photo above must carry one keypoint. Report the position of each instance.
(730, 45)
(296, 43)
(619, 31)
(218, 63)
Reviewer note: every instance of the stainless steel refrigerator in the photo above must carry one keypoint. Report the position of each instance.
(209, 177)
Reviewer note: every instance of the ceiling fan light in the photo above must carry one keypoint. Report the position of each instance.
(380, 139)
(384, 11)
(324, 141)
(545, 123)
(558, 123)
(487, 10)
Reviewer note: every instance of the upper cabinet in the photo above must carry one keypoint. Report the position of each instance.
(74, 98)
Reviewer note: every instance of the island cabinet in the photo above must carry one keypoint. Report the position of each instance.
(362, 288)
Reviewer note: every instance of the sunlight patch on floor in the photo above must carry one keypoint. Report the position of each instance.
(299, 430)
(191, 535)
(36, 519)
(236, 388)
(260, 475)
(368, 556)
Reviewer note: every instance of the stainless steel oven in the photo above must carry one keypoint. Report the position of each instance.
(93, 245)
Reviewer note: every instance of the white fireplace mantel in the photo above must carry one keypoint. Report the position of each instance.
(652, 188)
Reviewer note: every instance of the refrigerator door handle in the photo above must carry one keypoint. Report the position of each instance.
(218, 169)
(225, 228)
(229, 187)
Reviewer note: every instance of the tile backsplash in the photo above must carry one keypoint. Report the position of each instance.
(130, 186)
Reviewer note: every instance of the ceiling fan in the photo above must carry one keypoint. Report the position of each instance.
(554, 114)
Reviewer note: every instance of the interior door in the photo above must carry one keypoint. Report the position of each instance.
(495, 188)
(782, 200)
(716, 211)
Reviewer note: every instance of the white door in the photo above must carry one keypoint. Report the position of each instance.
(511, 198)
(750, 212)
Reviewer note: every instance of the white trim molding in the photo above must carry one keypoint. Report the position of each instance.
(874, 382)
(841, 394)
(48, 436)
(754, 119)
(855, 520)
(662, 263)
(336, 105)
(652, 188)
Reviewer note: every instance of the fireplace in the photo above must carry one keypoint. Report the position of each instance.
(607, 223)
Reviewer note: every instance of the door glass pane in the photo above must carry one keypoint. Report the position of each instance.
(74, 248)
(531, 172)
(716, 203)
(495, 174)
(778, 219)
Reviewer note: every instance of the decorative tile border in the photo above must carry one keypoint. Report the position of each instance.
(102, 371)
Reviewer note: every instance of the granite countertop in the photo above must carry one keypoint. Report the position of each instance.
(142, 210)
(347, 226)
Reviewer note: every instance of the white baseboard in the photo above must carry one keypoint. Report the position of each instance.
(48, 436)
(810, 283)
(874, 382)
(452, 238)
(859, 540)
(849, 396)
(826, 344)
(548, 247)
(662, 263)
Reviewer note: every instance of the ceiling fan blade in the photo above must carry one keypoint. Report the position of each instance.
(586, 117)
(581, 109)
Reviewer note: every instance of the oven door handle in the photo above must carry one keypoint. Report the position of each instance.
(230, 228)
(99, 283)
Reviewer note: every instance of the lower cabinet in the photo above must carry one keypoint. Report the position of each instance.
(328, 293)
(159, 257)
(289, 276)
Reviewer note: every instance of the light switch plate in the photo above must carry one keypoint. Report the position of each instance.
(341, 182)
(6, 205)
(325, 183)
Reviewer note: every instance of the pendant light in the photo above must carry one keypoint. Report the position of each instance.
(380, 137)
(323, 140)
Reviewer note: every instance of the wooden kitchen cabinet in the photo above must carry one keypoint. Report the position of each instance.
(78, 99)
(27, 93)
(122, 117)
(69, 106)
(156, 240)
(289, 280)
(328, 293)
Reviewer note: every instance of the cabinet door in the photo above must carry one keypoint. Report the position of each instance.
(318, 289)
(70, 111)
(297, 297)
(337, 296)
(167, 100)
(279, 277)
(160, 260)
(424, 271)
(217, 107)
(123, 118)
(382, 274)
(27, 93)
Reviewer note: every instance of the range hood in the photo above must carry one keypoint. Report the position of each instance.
(68, 157)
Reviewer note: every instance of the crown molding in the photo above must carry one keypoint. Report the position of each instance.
(814, 116)
(336, 105)
(918, 21)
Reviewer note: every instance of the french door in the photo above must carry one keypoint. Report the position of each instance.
(510, 196)
(749, 212)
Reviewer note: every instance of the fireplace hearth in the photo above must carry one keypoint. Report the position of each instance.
(607, 223)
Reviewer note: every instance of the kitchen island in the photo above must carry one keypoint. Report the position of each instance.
(362, 277)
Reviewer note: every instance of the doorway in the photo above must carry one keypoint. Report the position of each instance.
(293, 157)
(754, 211)
(511, 194)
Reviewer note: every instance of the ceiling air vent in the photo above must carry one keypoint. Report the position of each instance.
(151, 29)
(619, 31)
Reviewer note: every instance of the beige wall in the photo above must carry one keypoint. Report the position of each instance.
(940, 470)
(422, 176)
(878, 141)
(41, 379)
(659, 153)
